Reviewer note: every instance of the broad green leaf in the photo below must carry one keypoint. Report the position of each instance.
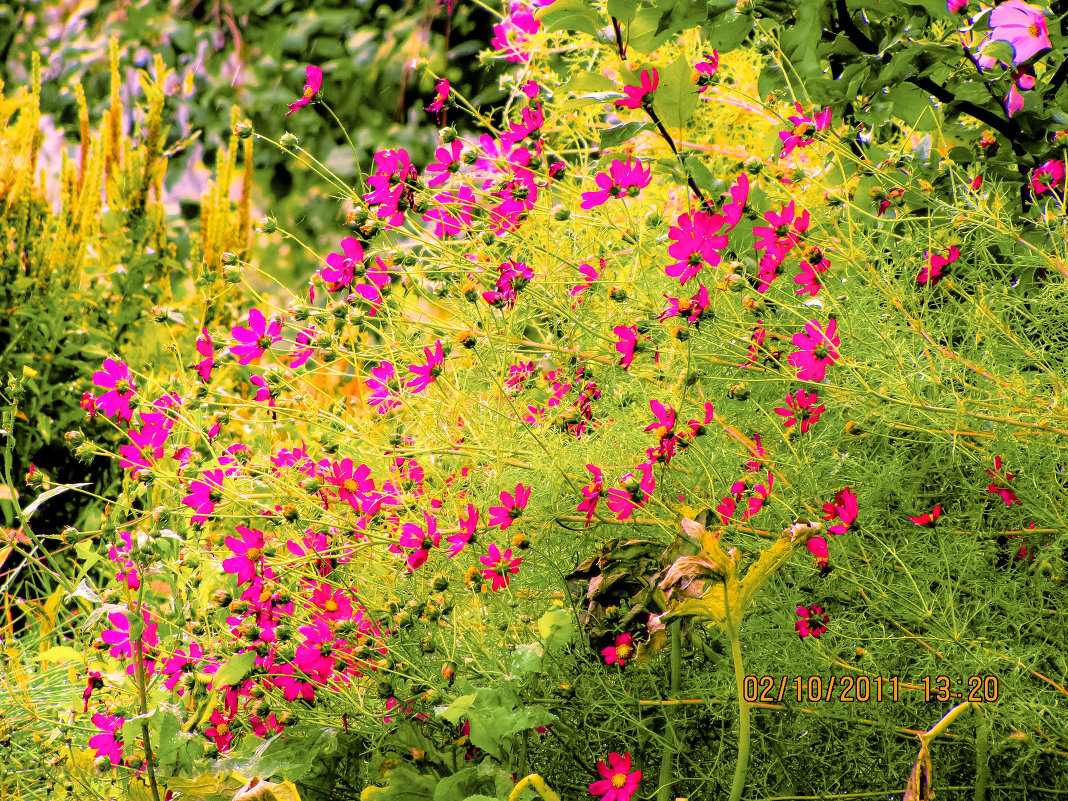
(676, 97)
(622, 10)
(235, 669)
(642, 36)
(703, 177)
(571, 15)
(527, 658)
(556, 628)
(800, 41)
(770, 80)
(727, 30)
(583, 82)
(458, 708)
(614, 137)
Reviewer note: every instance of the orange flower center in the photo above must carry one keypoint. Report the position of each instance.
(309, 92)
(349, 485)
(1033, 32)
(330, 606)
(252, 554)
(619, 780)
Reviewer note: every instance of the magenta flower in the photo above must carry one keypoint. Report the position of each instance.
(147, 445)
(590, 274)
(592, 493)
(704, 70)
(1047, 177)
(627, 344)
(181, 663)
(800, 406)
(383, 384)
(466, 533)
(204, 494)
(618, 784)
(624, 178)
(817, 546)
(778, 238)
(109, 742)
(452, 212)
(845, 508)
(448, 162)
(813, 621)
(344, 267)
(512, 508)
(932, 273)
(315, 655)
(427, 374)
(442, 94)
(620, 652)
(311, 87)
(1006, 494)
(633, 494)
(804, 126)
(1021, 25)
(696, 244)
(248, 554)
(418, 542)
(206, 348)
(392, 185)
(500, 567)
(351, 481)
(115, 377)
(256, 338)
(927, 518)
(636, 95)
(817, 350)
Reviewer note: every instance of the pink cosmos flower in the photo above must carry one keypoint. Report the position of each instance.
(109, 742)
(256, 338)
(592, 493)
(180, 664)
(817, 546)
(633, 494)
(953, 6)
(1006, 494)
(119, 637)
(392, 185)
(1021, 25)
(147, 445)
(817, 350)
(627, 344)
(927, 518)
(452, 212)
(448, 163)
(590, 274)
(383, 384)
(206, 348)
(511, 509)
(618, 784)
(778, 238)
(813, 621)
(704, 70)
(342, 268)
(624, 178)
(418, 541)
(636, 95)
(500, 567)
(442, 94)
(312, 85)
(1047, 177)
(696, 244)
(800, 406)
(427, 374)
(219, 730)
(466, 534)
(248, 554)
(620, 652)
(845, 508)
(804, 126)
(115, 377)
(512, 35)
(932, 273)
(204, 494)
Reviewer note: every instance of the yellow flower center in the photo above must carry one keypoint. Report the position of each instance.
(330, 606)
(222, 730)
(252, 554)
(623, 651)
(349, 485)
(1032, 31)
(309, 92)
(619, 780)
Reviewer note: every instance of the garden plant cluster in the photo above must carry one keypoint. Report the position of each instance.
(690, 424)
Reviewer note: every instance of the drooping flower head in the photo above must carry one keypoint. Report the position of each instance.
(312, 85)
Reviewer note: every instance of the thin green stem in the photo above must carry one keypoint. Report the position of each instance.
(743, 706)
(667, 759)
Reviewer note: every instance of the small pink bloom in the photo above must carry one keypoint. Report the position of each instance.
(636, 95)
(620, 652)
(618, 784)
(312, 85)
(500, 567)
(813, 621)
